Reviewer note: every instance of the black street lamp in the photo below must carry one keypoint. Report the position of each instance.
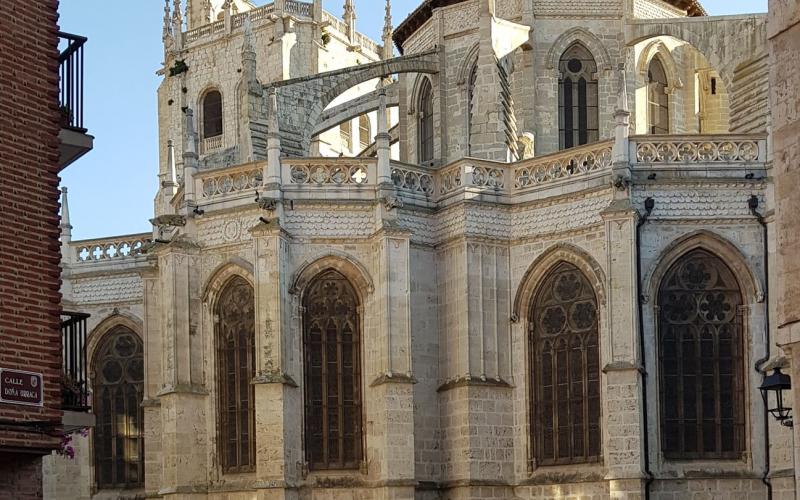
(777, 383)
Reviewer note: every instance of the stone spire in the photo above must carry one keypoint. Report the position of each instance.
(66, 227)
(207, 12)
(177, 24)
(171, 170)
(388, 52)
(189, 158)
(249, 58)
(383, 140)
(273, 168)
(622, 120)
(166, 33)
(349, 17)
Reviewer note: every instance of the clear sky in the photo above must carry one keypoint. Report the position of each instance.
(111, 188)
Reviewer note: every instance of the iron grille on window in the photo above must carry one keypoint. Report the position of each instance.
(577, 97)
(565, 375)
(700, 358)
(425, 128)
(74, 381)
(235, 339)
(212, 114)
(118, 385)
(332, 348)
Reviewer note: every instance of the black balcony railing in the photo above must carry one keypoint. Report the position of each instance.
(74, 381)
(70, 69)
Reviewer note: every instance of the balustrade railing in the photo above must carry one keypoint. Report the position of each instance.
(74, 373)
(210, 144)
(413, 179)
(300, 9)
(684, 149)
(562, 165)
(70, 71)
(330, 171)
(230, 181)
(335, 22)
(121, 247)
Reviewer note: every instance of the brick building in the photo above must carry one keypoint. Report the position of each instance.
(40, 134)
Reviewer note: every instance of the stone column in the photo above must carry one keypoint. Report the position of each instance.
(151, 404)
(278, 401)
(624, 424)
(388, 396)
(183, 398)
(476, 397)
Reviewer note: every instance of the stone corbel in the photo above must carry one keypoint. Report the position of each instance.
(391, 202)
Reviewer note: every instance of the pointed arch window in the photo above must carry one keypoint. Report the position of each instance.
(700, 357)
(473, 80)
(118, 383)
(425, 121)
(577, 97)
(346, 136)
(332, 374)
(364, 132)
(235, 349)
(657, 98)
(565, 369)
(212, 114)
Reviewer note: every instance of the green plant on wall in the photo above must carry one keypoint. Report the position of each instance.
(326, 38)
(178, 68)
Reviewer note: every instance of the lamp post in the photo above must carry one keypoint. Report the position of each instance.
(776, 384)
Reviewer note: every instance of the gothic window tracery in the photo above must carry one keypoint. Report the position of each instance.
(657, 98)
(565, 369)
(332, 374)
(577, 97)
(700, 360)
(118, 380)
(425, 122)
(212, 114)
(346, 136)
(235, 348)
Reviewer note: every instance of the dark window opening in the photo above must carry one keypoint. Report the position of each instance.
(425, 127)
(118, 390)
(700, 355)
(657, 98)
(565, 374)
(235, 347)
(212, 114)
(332, 374)
(577, 98)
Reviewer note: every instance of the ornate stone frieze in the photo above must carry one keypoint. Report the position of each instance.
(461, 18)
(695, 201)
(107, 289)
(326, 221)
(225, 230)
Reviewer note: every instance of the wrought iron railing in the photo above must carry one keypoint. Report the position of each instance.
(70, 70)
(74, 381)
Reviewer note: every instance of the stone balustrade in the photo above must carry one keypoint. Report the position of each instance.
(257, 16)
(562, 165)
(222, 182)
(558, 170)
(211, 144)
(104, 249)
(329, 171)
(718, 149)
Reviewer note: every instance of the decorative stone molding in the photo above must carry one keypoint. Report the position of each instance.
(345, 264)
(749, 282)
(585, 37)
(107, 289)
(541, 266)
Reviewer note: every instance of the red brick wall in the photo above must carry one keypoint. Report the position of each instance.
(20, 477)
(29, 249)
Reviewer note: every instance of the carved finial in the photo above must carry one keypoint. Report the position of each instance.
(349, 17)
(387, 32)
(207, 11)
(167, 30)
(622, 94)
(190, 155)
(177, 17)
(173, 174)
(247, 46)
(65, 225)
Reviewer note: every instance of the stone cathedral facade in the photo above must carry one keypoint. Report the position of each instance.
(517, 249)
